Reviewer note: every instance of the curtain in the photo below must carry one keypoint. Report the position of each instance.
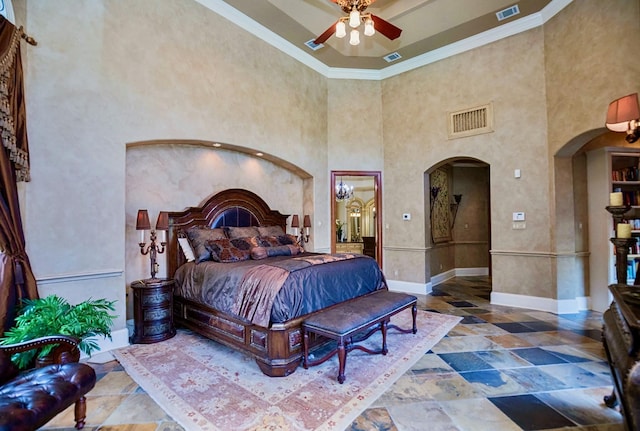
(16, 277)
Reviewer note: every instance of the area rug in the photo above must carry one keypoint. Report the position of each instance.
(204, 385)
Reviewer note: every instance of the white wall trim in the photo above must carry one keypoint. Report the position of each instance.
(79, 276)
(409, 287)
(119, 338)
(514, 27)
(471, 272)
(557, 306)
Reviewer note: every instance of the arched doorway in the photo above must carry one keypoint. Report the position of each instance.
(457, 193)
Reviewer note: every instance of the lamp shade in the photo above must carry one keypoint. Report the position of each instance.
(163, 221)
(307, 221)
(142, 221)
(295, 221)
(621, 112)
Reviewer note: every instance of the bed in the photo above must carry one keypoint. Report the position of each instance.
(225, 301)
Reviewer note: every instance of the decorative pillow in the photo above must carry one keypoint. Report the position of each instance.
(241, 232)
(258, 253)
(229, 250)
(270, 230)
(274, 241)
(198, 236)
(186, 249)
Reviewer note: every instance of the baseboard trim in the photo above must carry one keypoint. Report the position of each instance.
(556, 306)
(409, 287)
(119, 338)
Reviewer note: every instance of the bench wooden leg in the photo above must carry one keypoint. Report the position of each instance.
(414, 313)
(305, 349)
(342, 359)
(383, 329)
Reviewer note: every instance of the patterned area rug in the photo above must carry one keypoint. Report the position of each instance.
(204, 385)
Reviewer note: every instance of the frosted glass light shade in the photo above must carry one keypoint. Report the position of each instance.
(369, 30)
(355, 37)
(354, 18)
(341, 29)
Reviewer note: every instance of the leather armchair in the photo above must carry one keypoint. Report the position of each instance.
(30, 399)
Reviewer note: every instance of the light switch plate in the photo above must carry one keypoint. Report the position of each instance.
(518, 216)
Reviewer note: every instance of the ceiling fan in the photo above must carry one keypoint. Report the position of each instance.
(355, 9)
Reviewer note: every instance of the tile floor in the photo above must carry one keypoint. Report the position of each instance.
(501, 368)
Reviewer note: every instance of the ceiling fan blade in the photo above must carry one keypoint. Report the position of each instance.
(326, 35)
(386, 28)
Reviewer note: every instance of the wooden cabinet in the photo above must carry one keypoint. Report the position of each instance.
(349, 247)
(152, 310)
(621, 338)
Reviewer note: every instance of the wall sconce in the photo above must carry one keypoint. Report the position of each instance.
(162, 225)
(306, 224)
(623, 115)
(454, 208)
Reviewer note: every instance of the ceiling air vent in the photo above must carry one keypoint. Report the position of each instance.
(469, 122)
(392, 57)
(313, 46)
(508, 12)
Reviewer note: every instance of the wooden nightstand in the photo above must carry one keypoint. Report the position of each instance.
(152, 310)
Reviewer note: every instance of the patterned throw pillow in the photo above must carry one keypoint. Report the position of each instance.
(274, 241)
(241, 232)
(258, 253)
(198, 236)
(230, 250)
(270, 230)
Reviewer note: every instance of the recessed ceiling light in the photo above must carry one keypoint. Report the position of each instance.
(217, 144)
(259, 154)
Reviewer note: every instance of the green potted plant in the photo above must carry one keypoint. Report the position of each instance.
(54, 315)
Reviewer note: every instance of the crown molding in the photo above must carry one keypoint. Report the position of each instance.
(512, 28)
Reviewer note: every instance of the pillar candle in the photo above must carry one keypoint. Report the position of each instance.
(615, 199)
(624, 230)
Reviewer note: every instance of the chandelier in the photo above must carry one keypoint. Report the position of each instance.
(343, 191)
(355, 18)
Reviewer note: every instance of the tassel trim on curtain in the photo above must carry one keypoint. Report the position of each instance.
(18, 156)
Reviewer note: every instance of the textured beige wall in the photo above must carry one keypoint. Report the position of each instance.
(105, 74)
(108, 73)
(510, 74)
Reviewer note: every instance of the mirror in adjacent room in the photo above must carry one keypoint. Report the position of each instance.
(355, 208)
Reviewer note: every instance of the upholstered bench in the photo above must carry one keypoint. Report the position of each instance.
(345, 320)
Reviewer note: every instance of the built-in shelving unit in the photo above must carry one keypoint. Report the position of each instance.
(625, 178)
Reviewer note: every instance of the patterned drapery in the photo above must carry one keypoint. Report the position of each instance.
(16, 277)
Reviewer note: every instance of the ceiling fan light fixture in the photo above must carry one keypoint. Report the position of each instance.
(369, 29)
(355, 37)
(341, 29)
(354, 18)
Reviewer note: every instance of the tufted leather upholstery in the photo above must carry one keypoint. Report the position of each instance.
(32, 398)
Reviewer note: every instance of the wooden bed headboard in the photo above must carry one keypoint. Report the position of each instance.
(231, 207)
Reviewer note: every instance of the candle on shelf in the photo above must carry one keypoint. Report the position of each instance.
(624, 230)
(615, 199)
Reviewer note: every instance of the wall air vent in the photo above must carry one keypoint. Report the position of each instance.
(508, 12)
(313, 46)
(392, 57)
(469, 122)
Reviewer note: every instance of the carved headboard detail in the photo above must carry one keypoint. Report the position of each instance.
(231, 207)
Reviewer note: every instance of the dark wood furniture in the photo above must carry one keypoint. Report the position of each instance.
(152, 310)
(349, 319)
(621, 338)
(276, 349)
(31, 399)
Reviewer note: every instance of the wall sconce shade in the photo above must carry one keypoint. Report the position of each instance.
(163, 221)
(621, 112)
(142, 221)
(307, 221)
(295, 221)
(623, 115)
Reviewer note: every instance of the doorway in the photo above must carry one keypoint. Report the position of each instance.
(356, 198)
